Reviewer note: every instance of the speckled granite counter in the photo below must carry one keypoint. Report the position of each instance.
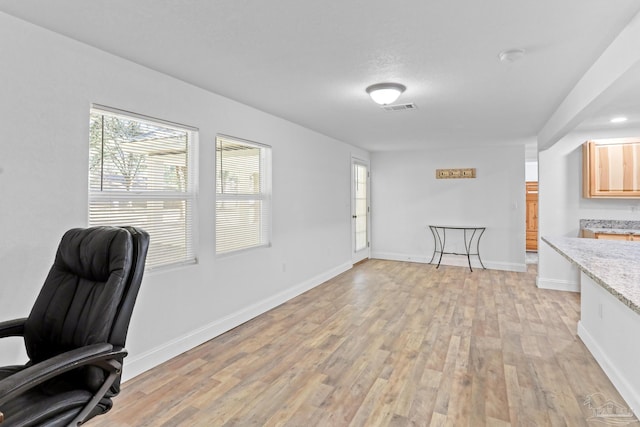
(609, 307)
(614, 265)
(610, 226)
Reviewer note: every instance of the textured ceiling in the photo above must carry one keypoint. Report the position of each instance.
(310, 61)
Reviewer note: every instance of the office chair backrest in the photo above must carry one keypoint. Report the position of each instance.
(140, 240)
(81, 296)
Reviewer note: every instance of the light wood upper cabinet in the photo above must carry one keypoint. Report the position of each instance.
(611, 170)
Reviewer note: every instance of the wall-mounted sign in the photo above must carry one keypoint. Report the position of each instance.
(455, 173)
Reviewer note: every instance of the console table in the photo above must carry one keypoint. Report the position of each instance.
(471, 235)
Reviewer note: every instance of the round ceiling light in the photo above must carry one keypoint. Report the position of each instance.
(511, 55)
(385, 93)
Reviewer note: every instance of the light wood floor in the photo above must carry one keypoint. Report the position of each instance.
(385, 344)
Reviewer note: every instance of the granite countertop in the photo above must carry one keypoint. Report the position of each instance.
(610, 226)
(614, 265)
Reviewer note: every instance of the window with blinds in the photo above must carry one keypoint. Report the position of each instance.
(141, 174)
(243, 194)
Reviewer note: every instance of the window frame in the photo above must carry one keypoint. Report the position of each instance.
(264, 196)
(189, 196)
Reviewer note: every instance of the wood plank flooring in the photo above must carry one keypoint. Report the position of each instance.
(385, 344)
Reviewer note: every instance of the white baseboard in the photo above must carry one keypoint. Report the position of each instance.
(452, 260)
(558, 285)
(137, 364)
(619, 380)
(391, 256)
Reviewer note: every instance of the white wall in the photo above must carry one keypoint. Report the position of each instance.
(531, 171)
(406, 198)
(49, 83)
(561, 205)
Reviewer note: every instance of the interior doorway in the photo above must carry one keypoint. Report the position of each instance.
(360, 224)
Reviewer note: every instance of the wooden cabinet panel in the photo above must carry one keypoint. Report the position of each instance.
(531, 216)
(611, 236)
(611, 170)
(587, 234)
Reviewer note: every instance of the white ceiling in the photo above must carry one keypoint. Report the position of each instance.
(621, 99)
(310, 61)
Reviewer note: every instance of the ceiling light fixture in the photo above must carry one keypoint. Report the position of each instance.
(385, 93)
(511, 55)
(618, 119)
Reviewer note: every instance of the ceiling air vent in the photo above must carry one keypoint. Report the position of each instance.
(400, 107)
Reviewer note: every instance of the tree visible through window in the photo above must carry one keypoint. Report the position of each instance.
(243, 194)
(140, 175)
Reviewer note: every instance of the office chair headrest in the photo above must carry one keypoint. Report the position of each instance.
(90, 254)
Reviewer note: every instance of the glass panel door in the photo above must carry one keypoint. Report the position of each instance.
(360, 211)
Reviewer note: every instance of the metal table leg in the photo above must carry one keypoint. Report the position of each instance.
(469, 233)
(478, 247)
(435, 244)
(467, 246)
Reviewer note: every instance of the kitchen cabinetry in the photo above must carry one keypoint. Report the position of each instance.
(611, 236)
(611, 169)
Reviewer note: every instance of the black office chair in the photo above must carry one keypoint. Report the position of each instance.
(76, 331)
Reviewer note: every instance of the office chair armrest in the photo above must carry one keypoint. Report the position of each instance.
(102, 355)
(12, 328)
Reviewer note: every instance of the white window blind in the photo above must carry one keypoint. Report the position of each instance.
(141, 174)
(243, 194)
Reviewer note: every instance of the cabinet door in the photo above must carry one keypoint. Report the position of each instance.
(611, 169)
(613, 236)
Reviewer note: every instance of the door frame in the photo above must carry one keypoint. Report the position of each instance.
(366, 252)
